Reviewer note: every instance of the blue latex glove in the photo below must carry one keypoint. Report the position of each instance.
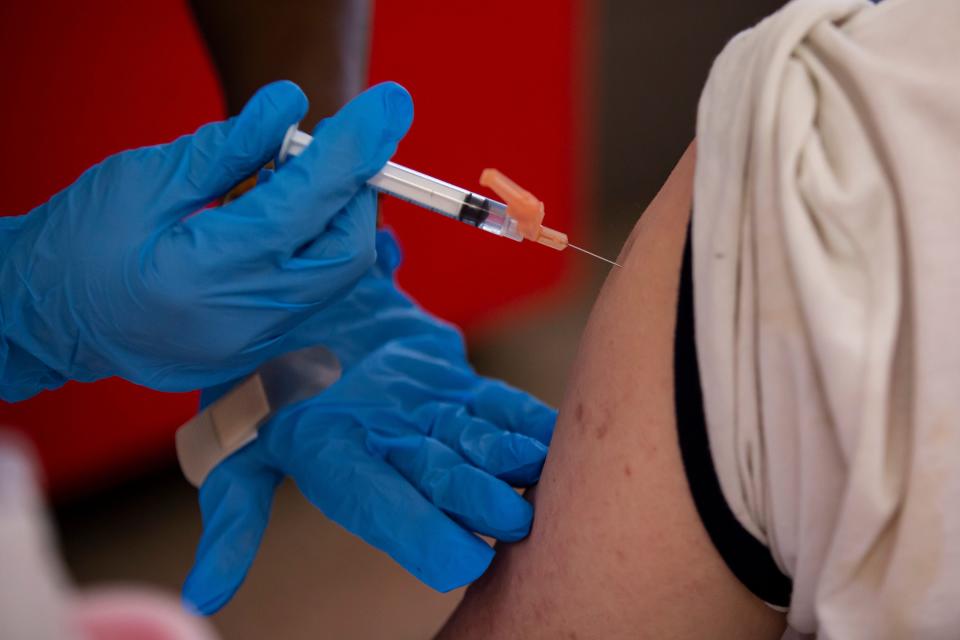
(115, 276)
(411, 450)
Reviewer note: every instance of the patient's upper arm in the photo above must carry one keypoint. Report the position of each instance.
(617, 548)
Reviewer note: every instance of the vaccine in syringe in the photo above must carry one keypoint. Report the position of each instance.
(517, 220)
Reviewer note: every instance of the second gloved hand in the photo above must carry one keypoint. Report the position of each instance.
(411, 450)
(124, 273)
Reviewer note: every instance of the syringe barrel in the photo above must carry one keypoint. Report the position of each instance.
(427, 192)
(446, 199)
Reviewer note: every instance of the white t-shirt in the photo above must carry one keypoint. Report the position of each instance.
(826, 254)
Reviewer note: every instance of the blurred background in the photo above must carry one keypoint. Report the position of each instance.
(588, 103)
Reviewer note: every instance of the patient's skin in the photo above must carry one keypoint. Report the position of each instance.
(617, 548)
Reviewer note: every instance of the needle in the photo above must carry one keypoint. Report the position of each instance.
(573, 246)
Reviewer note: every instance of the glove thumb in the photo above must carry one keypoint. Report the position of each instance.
(222, 154)
(311, 190)
(235, 504)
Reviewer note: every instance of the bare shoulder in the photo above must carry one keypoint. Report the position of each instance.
(617, 548)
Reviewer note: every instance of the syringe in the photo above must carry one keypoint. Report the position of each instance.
(518, 220)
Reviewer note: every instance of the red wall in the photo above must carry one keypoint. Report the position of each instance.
(494, 86)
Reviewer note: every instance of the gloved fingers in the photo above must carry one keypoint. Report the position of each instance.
(295, 207)
(222, 154)
(358, 222)
(235, 502)
(339, 239)
(472, 497)
(512, 457)
(513, 409)
(329, 266)
(365, 495)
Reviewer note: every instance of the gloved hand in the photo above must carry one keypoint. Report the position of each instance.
(410, 449)
(116, 276)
